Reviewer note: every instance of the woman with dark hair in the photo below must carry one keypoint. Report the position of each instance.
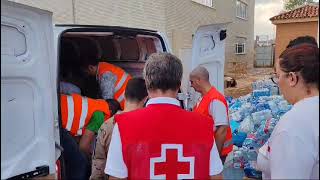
(292, 151)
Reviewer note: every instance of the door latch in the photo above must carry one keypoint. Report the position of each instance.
(40, 171)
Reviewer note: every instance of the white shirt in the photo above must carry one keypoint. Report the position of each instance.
(294, 144)
(69, 88)
(115, 165)
(219, 113)
(107, 83)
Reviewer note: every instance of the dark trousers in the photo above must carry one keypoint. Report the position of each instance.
(76, 162)
(223, 159)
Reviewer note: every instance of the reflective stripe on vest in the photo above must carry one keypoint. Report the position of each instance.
(70, 112)
(84, 114)
(121, 82)
(77, 111)
(121, 97)
(227, 143)
(122, 79)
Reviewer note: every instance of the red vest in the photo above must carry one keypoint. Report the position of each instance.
(76, 112)
(164, 141)
(203, 108)
(122, 80)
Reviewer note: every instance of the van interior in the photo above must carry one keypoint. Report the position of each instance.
(124, 47)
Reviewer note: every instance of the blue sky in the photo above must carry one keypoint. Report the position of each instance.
(264, 10)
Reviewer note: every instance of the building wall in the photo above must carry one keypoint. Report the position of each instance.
(289, 31)
(241, 29)
(147, 14)
(62, 9)
(182, 23)
(178, 19)
(185, 16)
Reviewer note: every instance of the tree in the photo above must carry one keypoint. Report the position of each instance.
(292, 4)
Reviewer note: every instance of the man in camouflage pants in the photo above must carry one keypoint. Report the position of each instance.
(135, 98)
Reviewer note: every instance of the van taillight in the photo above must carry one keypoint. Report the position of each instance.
(58, 169)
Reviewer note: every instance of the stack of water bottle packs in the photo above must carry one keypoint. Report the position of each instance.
(252, 119)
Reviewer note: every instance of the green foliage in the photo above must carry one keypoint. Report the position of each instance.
(292, 4)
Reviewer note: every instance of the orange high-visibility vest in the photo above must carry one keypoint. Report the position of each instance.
(203, 108)
(122, 79)
(76, 112)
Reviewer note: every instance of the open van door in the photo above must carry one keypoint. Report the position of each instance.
(28, 92)
(208, 50)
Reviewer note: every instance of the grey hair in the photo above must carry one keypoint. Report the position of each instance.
(200, 72)
(163, 71)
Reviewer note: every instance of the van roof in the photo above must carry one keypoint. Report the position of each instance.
(104, 28)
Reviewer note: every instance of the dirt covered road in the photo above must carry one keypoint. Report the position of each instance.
(245, 80)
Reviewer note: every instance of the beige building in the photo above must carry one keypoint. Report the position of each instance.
(178, 19)
(301, 21)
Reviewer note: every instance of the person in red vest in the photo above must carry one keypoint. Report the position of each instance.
(162, 140)
(214, 105)
(80, 117)
(111, 78)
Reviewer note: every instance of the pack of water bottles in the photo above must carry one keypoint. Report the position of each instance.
(266, 84)
(253, 118)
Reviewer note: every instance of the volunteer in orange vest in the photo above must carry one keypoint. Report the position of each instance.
(213, 104)
(111, 78)
(80, 116)
(163, 141)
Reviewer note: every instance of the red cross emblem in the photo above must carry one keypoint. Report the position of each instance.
(172, 164)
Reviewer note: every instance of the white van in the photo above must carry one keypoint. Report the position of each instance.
(32, 53)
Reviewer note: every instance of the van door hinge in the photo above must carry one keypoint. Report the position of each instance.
(40, 171)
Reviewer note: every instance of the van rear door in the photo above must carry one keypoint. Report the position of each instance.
(27, 92)
(208, 50)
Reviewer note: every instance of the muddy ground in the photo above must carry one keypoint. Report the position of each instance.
(244, 81)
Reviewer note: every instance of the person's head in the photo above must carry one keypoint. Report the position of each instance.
(298, 72)
(114, 106)
(302, 39)
(199, 79)
(136, 93)
(163, 74)
(90, 67)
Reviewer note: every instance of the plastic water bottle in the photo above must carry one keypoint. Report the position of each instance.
(246, 109)
(264, 131)
(236, 105)
(274, 90)
(251, 154)
(246, 126)
(236, 116)
(284, 106)
(238, 158)
(250, 170)
(262, 106)
(274, 108)
(261, 92)
(259, 116)
(251, 142)
(229, 99)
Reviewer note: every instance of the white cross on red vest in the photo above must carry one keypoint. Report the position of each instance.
(172, 164)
